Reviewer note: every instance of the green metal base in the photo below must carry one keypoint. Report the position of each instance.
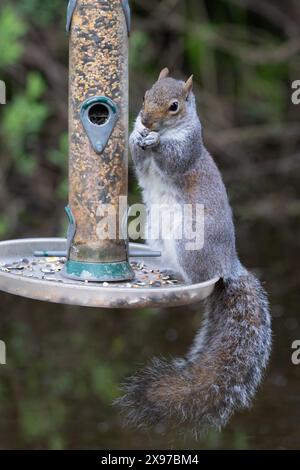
(98, 272)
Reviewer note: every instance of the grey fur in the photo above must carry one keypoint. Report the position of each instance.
(224, 367)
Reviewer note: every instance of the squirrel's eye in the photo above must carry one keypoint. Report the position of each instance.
(174, 107)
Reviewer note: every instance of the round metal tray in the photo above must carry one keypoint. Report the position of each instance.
(21, 274)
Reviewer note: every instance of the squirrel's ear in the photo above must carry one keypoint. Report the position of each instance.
(164, 73)
(188, 86)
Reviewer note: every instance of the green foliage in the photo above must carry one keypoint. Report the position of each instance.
(264, 98)
(105, 382)
(139, 47)
(149, 312)
(240, 440)
(4, 225)
(22, 122)
(199, 53)
(39, 419)
(195, 49)
(20, 333)
(42, 12)
(59, 158)
(12, 29)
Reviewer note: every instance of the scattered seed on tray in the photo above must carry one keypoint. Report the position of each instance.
(49, 269)
(156, 284)
(48, 278)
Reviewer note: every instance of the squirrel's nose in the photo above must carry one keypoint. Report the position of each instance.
(146, 120)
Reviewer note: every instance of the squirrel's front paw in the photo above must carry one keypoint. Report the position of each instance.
(136, 139)
(150, 141)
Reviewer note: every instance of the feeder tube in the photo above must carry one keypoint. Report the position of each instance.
(98, 140)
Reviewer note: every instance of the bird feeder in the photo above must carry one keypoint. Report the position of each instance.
(98, 138)
(92, 267)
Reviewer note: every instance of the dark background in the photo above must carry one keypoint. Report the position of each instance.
(65, 364)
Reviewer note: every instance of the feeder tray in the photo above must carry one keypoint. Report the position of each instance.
(24, 274)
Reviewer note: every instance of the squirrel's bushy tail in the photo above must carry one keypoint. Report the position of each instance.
(222, 370)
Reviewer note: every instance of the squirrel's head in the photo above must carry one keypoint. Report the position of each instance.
(167, 103)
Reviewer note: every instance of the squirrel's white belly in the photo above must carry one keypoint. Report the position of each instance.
(160, 232)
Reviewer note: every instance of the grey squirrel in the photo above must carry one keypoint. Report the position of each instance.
(224, 367)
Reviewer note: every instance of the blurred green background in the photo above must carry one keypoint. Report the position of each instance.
(65, 364)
